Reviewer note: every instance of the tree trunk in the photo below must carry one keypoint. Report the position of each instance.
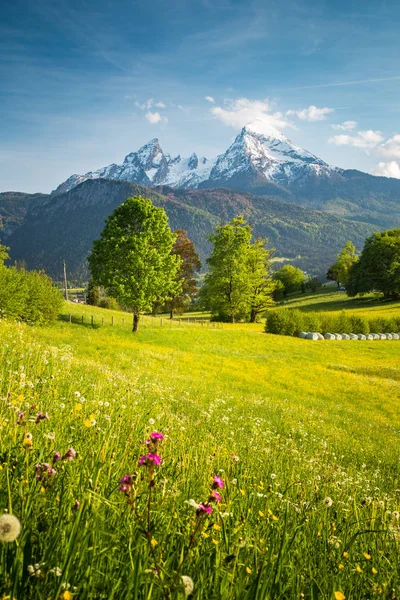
(136, 318)
(253, 316)
(171, 313)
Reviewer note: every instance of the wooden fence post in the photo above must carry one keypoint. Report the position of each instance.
(91, 318)
(112, 320)
(102, 320)
(160, 322)
(70, 318)
(82, 318)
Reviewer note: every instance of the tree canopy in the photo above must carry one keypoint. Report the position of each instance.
(290, 277)
(238, 284)
(133, 258)
(190, 265)
(378, 268)
(340, 269)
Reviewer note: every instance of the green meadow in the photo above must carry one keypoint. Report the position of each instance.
(304, 435)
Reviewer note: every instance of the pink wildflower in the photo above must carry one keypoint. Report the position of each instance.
(204, 508)
(70, 454)
(156, 436)
(218, 483)
(215, 496)
(155, 459)
(56, 457)
(41, 417)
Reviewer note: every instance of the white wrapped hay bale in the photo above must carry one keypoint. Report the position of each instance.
(382, 336)
(376, 336)
(329, 336)
(303, 335)
(319, 335)
(312, 336)
(396, 336)
(389, 336)
(338, 336)
(361, 336)
(345, 336)
(370, 336)
(353, 336)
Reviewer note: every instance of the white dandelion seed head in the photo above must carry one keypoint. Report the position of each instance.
(188, 585)
(328, 501)
(192, 503)
(62, 405)
(77, 394)
(10, 528)
(151, 421)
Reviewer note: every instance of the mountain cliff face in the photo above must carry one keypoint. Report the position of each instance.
(264, 162)
(65, 226)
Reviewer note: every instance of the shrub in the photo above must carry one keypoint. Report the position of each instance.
(28, 296)
(359, 324)
(109, 303)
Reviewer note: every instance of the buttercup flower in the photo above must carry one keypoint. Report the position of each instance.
(10, 528)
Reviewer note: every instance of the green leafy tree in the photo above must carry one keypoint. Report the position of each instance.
(190, 265)
(238, 284)
(261, 283)
(290, 277)
(93, 293)
(378, 268)
(340, 270)
(132, 259)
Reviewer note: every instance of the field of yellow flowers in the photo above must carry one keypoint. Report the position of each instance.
(196, 461)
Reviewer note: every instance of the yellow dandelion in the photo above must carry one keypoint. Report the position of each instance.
(341, 566)
(374, 571)
(153, 542)
(339, 596)
(243, 492)
(358, 569)
(66, 595)
(216, 527)
(248, 570)
(78, 407)
(260, 512)
(274, 518)
(367, 556)
(216, 542)
(205, 535)
(345, 554)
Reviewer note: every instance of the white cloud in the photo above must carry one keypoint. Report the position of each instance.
(346, 126)
(391, 148)
(148, 104)
(389, 169)
(312, 113)
(241, 112)
(155, 117)
(363, 139)
(209, 99)
(160, 104)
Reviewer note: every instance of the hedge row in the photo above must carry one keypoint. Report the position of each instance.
(293, 321)
(28, 296)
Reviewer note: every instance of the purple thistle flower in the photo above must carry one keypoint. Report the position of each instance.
(156, 436)
(56, 457)
(204, 508)
(218, 483)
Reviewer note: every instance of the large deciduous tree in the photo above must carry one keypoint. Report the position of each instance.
(190, 265)
(237, 283)
(378, 268)
(290, 277)
(340, 270)
(132, 259)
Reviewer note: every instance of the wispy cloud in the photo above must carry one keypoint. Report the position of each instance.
(209, 99)
(363, 139)
(388, 169)
(241, 112)
(312, 113)
(343, 83)
(155, 117)
(346, 126)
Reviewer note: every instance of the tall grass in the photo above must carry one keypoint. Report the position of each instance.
(311, 493)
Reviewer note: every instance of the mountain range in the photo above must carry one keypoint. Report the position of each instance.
(307, 208)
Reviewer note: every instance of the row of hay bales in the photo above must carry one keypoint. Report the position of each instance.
(313, 335)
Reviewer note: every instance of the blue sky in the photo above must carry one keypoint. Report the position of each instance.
(86, 82)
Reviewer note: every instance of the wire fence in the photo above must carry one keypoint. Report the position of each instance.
(96, 321)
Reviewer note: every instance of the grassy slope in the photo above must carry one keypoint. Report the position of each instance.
(307, 420)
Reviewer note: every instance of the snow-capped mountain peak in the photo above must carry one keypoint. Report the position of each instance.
(259, 150)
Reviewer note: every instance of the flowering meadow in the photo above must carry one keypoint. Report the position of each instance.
(196, 462)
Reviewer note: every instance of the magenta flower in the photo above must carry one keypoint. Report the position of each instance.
(218, 483)
(124, 488)
(204, 508)
(149, 458)
(76, 505)
(215, 496)
(44, 471)
(56, 457)
(21, 418)
(70, 454)
(128, 479)
(41, 417)
(156, 436)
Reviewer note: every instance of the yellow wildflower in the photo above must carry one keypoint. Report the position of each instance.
(358, 569)
(243, 492)
(260, 512)
(153, 542)
(274, 518)
(216, 542)
(216, 527)
(345, 554)
(367, 556)
(248, 570)
(205, 535)
(339, 596)
(341, 566)
(66, 595)
(27, 442)
(374, 571)
(78, 407)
